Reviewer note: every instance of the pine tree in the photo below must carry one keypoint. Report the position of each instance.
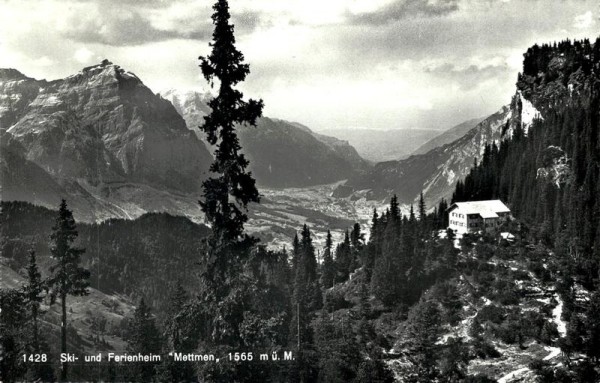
(306, 300)
(357, 239)
(422, 212)
(143, 338)
(394, 208)
(423, 331)
(12, 315)
(67, 278)
(307, 287)
(365, 331)
(33, 297)
(343, 259)
(225, 64)
(387, 281)
(174, 326)
(225, 291)
(328, 267)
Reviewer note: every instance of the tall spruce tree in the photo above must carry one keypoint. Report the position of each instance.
(225, 64)
(306, 300)
(328, 267)
(228, 192)
(143, 338)
(343, 258)
(422, 209)
(33, 297)
(68, 278)
(12, 315)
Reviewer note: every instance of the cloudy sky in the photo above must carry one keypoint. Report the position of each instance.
(381, 64)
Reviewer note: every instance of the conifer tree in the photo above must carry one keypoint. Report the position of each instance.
(357, 238)
(365, 331)
(12, 315)
(328, 268)
(422, 212)
(33, 291)
(423, 331)
(306, 300)
(343, 258)
(33, 297)
(227, 193)
(225, 65)
(142, 337)
(295, 253)
(395, 208)
(68, 278)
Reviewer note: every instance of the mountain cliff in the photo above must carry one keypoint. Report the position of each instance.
(102, 125)
(100, 137)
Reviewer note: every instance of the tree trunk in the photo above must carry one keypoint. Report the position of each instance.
(63, 336)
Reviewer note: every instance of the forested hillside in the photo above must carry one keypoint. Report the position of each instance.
(130, 257)
(550, 173)
(550, 176)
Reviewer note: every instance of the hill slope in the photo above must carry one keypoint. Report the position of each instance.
(448, 136)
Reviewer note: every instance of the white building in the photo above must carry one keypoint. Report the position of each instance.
(475, 216)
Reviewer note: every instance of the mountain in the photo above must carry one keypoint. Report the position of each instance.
(383, 145)
(281, 153)
(100, 137)
(437, 171)
(549, 171)
(448, 136)
(114, 149)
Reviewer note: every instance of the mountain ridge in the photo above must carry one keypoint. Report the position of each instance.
(448, 136)
(437, 172)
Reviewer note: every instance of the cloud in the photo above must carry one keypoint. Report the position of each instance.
(402, 9)
(584, 21)
(83, 55)
(137, 3)
(43, 61)
(91, 22)
(121, 27)
(468, 77)
(326, 63)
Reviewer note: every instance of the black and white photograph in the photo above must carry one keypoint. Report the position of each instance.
(272, 191)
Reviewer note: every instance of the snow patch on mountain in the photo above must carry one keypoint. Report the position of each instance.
(528, 112)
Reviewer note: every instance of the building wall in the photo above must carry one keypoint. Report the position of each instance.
(458, 221)
(472, 223)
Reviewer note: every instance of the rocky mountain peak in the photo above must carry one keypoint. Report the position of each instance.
(102, 126)
(11, 74)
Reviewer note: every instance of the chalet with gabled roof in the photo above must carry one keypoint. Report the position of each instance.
(476, 216)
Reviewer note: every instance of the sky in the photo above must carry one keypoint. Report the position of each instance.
(376, 64)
